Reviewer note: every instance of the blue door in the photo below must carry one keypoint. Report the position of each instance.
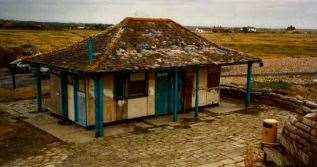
(165, 91)
(162, 93)
(81, 109)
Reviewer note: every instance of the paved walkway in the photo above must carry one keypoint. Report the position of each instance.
(209, 141)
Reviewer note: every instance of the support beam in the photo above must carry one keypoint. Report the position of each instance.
(64, 95)
(196, 91)
(76, 87)
(175, 95)
(249, 86)
(37, 73)
(99, 106)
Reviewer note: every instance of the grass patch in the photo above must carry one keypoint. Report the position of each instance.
(275, 85)
(268, 45)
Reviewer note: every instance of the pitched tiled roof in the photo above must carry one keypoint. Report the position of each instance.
(142, 44)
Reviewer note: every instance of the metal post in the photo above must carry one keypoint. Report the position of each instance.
(38, 88)
(196, 91)
(249, 86)
(64, 95)
(99, 106)
(175, 96)
(76, 87)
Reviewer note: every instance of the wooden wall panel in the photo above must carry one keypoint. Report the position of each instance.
(137, 107)
(206, 96)
(53, 103)
(70, 100)
(90, 102)
(151, 94)
(121, 109)
(109, 103)
(188, 88)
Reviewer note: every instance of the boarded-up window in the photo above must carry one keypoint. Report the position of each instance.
(137, 85)
(130, 85)
(213, 78)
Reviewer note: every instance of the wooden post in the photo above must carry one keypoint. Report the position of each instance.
(76, 87)
(64, 95)
(196, 91)
(99, 106)
(38, 88)
(249, 86)
(13, 80)
(175, 96)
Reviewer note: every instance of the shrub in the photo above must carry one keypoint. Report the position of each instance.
(7, 55)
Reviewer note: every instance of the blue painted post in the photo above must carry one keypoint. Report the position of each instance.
(196, 91)
(91, 50)
(99, 106)
(64, 95)
(175, 96)
(249, 86)
(76, 87)
(38, 88)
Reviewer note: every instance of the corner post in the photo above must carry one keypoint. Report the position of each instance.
(37, 73)
(99, 106)
(64, 95)
(196, 90)
(175, 97)
(249, 86)
(76, 87)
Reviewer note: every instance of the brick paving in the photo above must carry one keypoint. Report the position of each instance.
(206, 141)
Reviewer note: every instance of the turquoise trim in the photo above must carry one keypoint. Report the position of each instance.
(175, 97)
(64, 95)
(91, 50)
(249, 86)
(196, 91)
(99, 106)
(76, 87)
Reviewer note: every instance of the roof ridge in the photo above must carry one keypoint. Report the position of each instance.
(146, 19)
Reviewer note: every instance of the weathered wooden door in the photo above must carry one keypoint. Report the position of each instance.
(82, 118)
(162, 93)
(70, 100)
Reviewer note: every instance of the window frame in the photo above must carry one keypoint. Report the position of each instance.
(125, 80)
(214, 72)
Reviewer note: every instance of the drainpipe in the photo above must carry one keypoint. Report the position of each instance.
(196, 90)
(249, 86)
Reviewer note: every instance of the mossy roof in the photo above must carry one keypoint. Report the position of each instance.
(142, 44)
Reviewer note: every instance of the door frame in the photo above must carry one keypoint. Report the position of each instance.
(170, 90)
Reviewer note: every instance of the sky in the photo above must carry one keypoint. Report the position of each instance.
(229, 13)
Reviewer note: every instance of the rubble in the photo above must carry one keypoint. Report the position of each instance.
(298, 105)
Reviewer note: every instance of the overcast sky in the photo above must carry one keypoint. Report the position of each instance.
(259, 13)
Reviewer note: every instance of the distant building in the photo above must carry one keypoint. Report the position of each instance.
(248, 29)
(81, 27)
(198, 30)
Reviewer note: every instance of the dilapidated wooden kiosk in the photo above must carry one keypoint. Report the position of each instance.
(139, 67)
